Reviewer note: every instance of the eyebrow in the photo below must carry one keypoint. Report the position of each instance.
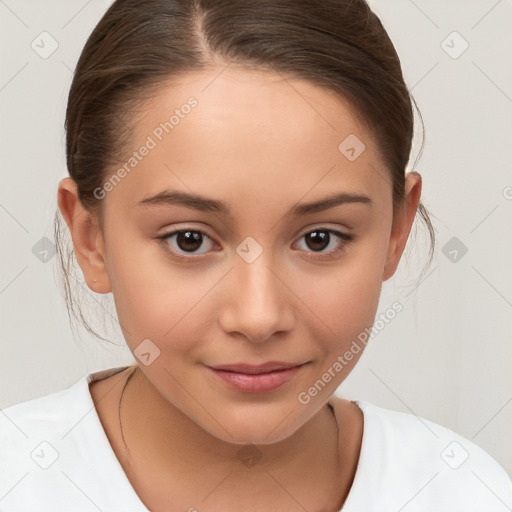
(205, 204)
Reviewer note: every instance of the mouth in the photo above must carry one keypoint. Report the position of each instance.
(262, 378)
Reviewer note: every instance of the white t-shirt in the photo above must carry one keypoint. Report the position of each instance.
(56, 457)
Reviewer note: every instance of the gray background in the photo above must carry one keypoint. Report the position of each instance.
(446, 357)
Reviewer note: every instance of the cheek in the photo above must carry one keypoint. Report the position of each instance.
(345, 295)
(343, 300)
(154, 297)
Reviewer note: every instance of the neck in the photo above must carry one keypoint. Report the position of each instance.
(169, 447)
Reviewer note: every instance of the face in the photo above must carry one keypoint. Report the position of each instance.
(252, 272)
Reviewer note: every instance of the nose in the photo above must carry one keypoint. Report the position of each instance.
(258, 303)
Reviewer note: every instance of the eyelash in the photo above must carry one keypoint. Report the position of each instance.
(345, 240)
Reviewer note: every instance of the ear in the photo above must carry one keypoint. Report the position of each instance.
(86, 235)
(403, 219)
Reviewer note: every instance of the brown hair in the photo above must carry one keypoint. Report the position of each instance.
(138, 46)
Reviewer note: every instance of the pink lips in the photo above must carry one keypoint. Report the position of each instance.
(256, 378)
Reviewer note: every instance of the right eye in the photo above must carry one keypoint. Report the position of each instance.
(185, 240)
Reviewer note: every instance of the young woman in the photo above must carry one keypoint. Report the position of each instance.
(237, 182)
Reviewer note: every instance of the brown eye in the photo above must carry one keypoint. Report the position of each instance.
(186, 241)
(189, 241)
(318, 240)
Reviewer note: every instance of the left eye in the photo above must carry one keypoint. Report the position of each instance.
(319, 239)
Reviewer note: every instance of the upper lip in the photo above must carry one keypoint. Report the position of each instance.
(255, 368)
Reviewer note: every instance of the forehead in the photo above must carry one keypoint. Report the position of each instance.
(245, 133)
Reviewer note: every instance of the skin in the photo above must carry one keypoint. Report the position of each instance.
(261, 144)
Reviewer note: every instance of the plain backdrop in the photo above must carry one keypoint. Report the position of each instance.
(446, 357)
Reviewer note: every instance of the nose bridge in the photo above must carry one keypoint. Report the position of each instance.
(258, 303)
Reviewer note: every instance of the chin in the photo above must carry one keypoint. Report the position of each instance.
(260, 429)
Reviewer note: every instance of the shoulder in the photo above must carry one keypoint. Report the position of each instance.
(27, 419)
(24, 426)
(408, 459)
(24, 423)
(31, 437)
(53, 452)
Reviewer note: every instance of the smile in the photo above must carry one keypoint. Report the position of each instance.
(256, 378)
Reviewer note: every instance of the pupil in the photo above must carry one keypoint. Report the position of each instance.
(189, 240)
(318, 237)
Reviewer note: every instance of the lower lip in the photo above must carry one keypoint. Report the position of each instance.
(257, 383)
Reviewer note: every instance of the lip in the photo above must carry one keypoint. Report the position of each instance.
(262, 378)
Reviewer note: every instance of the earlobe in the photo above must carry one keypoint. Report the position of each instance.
(402, 222)
(86, 236)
